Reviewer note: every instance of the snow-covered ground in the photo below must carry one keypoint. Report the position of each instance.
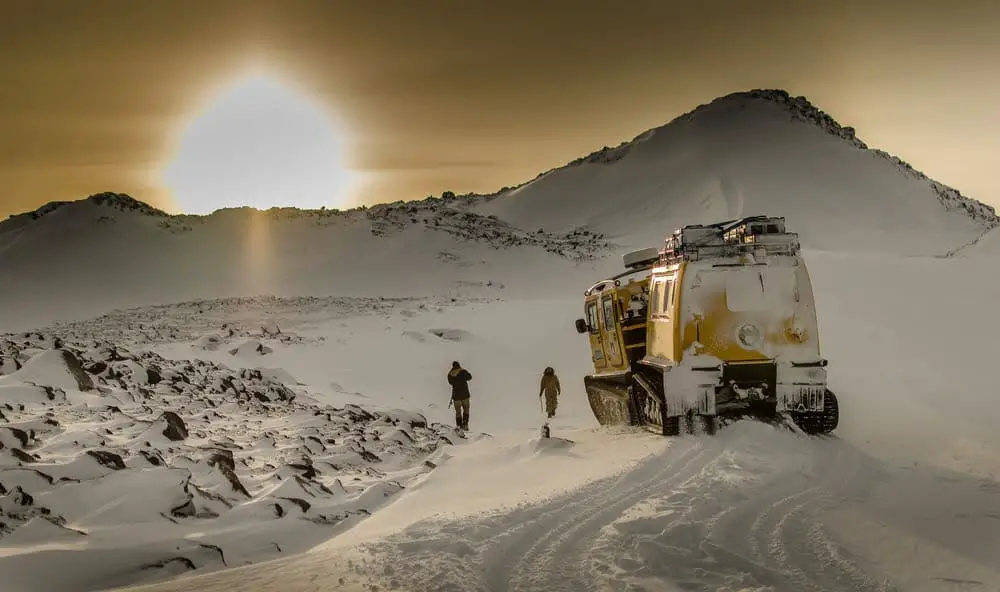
(907, 496)
(303, 441)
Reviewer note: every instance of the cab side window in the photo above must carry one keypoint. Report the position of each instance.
(661, 297)
(592, 317)
(654, 297)
(609, 313)
(666, 300)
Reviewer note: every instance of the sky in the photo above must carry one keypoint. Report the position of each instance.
(469, 95)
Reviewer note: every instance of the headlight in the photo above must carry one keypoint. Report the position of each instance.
(796, 334)
(749, 335)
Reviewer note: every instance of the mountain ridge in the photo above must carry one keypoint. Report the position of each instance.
(804, 110)
(799, 107)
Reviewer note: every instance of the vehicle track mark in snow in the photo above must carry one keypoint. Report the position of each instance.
(502, 549)
(739, 512)
(554, 562)
(807, 551)
(758, 526)
(508, 560)
(755, 535)
(778, 548)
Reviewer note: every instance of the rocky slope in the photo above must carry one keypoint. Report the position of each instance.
(196, 464)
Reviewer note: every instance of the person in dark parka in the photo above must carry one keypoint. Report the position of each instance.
(459, 379)
(551, 388)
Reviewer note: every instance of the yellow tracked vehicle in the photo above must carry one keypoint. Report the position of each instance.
(718, 325)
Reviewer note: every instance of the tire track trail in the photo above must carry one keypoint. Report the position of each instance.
(736, 511)
(556, 563)
(765, 532)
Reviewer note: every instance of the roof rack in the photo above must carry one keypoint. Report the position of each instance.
(641, 258)
(758, 235)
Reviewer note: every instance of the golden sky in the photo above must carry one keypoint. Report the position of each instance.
(470, 95)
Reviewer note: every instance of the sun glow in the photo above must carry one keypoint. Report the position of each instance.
(259, 144)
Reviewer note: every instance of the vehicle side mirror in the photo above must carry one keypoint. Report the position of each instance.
(581, 326)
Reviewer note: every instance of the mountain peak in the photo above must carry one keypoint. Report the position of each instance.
(803, 110)
(109, 199)
(798, 106)
(800, 109)
(124, 202)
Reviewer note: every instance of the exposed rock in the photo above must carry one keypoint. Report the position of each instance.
(107, 459)
(97, 367)
(245, 436)
(175, 430)
(22, 455)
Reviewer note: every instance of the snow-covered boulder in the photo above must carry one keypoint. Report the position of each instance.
(56, 368)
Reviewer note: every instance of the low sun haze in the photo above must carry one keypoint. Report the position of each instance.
(426, 97)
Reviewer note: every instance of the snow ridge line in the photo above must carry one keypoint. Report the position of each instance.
(958, 250)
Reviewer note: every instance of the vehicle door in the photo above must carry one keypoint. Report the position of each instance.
(661, 330)
(594, 335)
(610, 334)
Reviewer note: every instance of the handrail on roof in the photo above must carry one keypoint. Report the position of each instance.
(675, 247)
(620, 275)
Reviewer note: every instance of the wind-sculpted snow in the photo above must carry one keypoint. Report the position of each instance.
(188, 465)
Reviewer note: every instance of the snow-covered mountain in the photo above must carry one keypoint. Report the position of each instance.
(757, 152)
(207, 427)
(742, 154)
(84, 258)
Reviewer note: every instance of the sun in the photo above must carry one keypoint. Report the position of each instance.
(259, 144)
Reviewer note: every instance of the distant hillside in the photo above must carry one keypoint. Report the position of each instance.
(87, 257)
(760, 152)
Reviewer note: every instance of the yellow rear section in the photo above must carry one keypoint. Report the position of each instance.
(721, 324)
(734, 312)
